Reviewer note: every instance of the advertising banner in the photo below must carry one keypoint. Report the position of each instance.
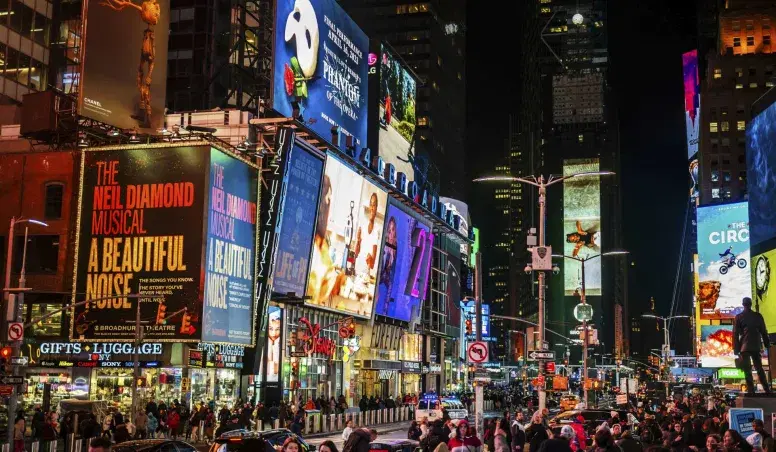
(717, 346)
(274, 342)
(321, 68)
(581, 226)
(347, 242)
(692, 101)
(398, 91)
(124, 74)
(454, 284)
(469, 312)
(764, 299)
(760, 170)
(230, 256)
(406, 263)
(297, 221)
(140, 227)
(727, 372)
(723, 260)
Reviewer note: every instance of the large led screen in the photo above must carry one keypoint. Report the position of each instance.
(406, 264)
(470, 313)
(125, 63)
(274, 342)
(297, 221)
(397, 114)
(724, 276)
(321, 67)
(140, 232)
(692, 100)
(717, 346)
(347, 243)
(761, 179)
(230, 255)
(764, 299)
(581, 226)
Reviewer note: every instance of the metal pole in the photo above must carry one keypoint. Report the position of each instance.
(23, 274)
(136, 364)
(9, 256)
(542, 194)
(479, 393)
(584, 342)
(14, 316)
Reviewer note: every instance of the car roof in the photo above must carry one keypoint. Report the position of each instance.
(394, 442)
(143, 444)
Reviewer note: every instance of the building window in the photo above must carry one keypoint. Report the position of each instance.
(713, 127)
(54, 195)
(714, 175)
(739, 72)
(725, 126)
(769, 84)
(581, 138)
(753, 85)
(736, 25)
(736, 42)
(750, 25)
(726, 176)
(739, 85)
(715, 193)
(752, 71)
(767, 40)
(741, 126)
(42, 254)
(724, 111)
(423, 121)
(750, 40)
(766, 24)
(717, 73)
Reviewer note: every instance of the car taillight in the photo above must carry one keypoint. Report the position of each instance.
(236, 439)
(380, 450)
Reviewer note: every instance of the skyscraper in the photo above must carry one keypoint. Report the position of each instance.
(431, 38)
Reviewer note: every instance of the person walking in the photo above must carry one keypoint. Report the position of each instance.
(748, 331)
(141, 425)
(536, 434)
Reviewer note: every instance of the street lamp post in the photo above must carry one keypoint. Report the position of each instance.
(583, 300)
(14, 301)
(666, 352)
(540, 183)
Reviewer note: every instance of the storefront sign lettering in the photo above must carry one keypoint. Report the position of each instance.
(410, 367)
(103, 349)
(386, 374)
(311, 342)
(432, 368)
(221, 349)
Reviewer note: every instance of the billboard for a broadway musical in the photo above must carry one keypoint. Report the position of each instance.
(170, 231)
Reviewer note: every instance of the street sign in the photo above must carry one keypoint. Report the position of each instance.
(538, 356)
(11, 380)
(477, 352)
(19, 360)
(6, 390)
(583, 312)
(622, 399)
(15, 331)
(482, 376)
(545, 345)
(549, 367)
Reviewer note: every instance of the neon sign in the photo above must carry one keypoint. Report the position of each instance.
(313, 343)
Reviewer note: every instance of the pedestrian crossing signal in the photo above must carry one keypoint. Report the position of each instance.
(468, 326)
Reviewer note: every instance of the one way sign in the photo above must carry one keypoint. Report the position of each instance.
(11, 380)
(540, 356)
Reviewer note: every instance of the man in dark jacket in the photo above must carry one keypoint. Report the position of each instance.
(518, 435)
(359, 440)
(436, 435)
(748, 329)
(363, 404)
(628, 444)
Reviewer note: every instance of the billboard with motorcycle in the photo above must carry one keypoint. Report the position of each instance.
(723, 259)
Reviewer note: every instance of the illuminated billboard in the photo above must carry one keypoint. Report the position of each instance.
(406, 263)
(274, 342)
(321, 68)
(764, 299)
(296, 222)
(692, 100)
(142, 230)
(581, 226)
(470, 313)
(761, 179)
(398, 91)
(347, 243)
(724, 276)
(230, 255)
(717, 346)
(124, 74)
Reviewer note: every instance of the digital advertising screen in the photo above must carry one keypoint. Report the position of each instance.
(120, 84)
(692, 101)
(230, 255)
(140, 232)
(347, 243)
(581, 226)
(274, 342)
(761, 179)
(469, 312)
(717, 346)
(321, 67)
(764, 299)
(406, 263)
(724, 274)
(455, 281)
(296, 223)
(398, 92)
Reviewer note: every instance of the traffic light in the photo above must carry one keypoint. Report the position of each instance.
(5, 356)
(186, 327)
(468, 326)
(161, 314)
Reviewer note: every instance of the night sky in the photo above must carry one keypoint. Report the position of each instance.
(646, 41)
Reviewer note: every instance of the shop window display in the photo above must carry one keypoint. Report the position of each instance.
(202, 385)
(48, 388)
(227, 382)
(161, 385)
(113, 386)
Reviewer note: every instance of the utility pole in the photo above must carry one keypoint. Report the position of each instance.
(542, 219)
(479, 390)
